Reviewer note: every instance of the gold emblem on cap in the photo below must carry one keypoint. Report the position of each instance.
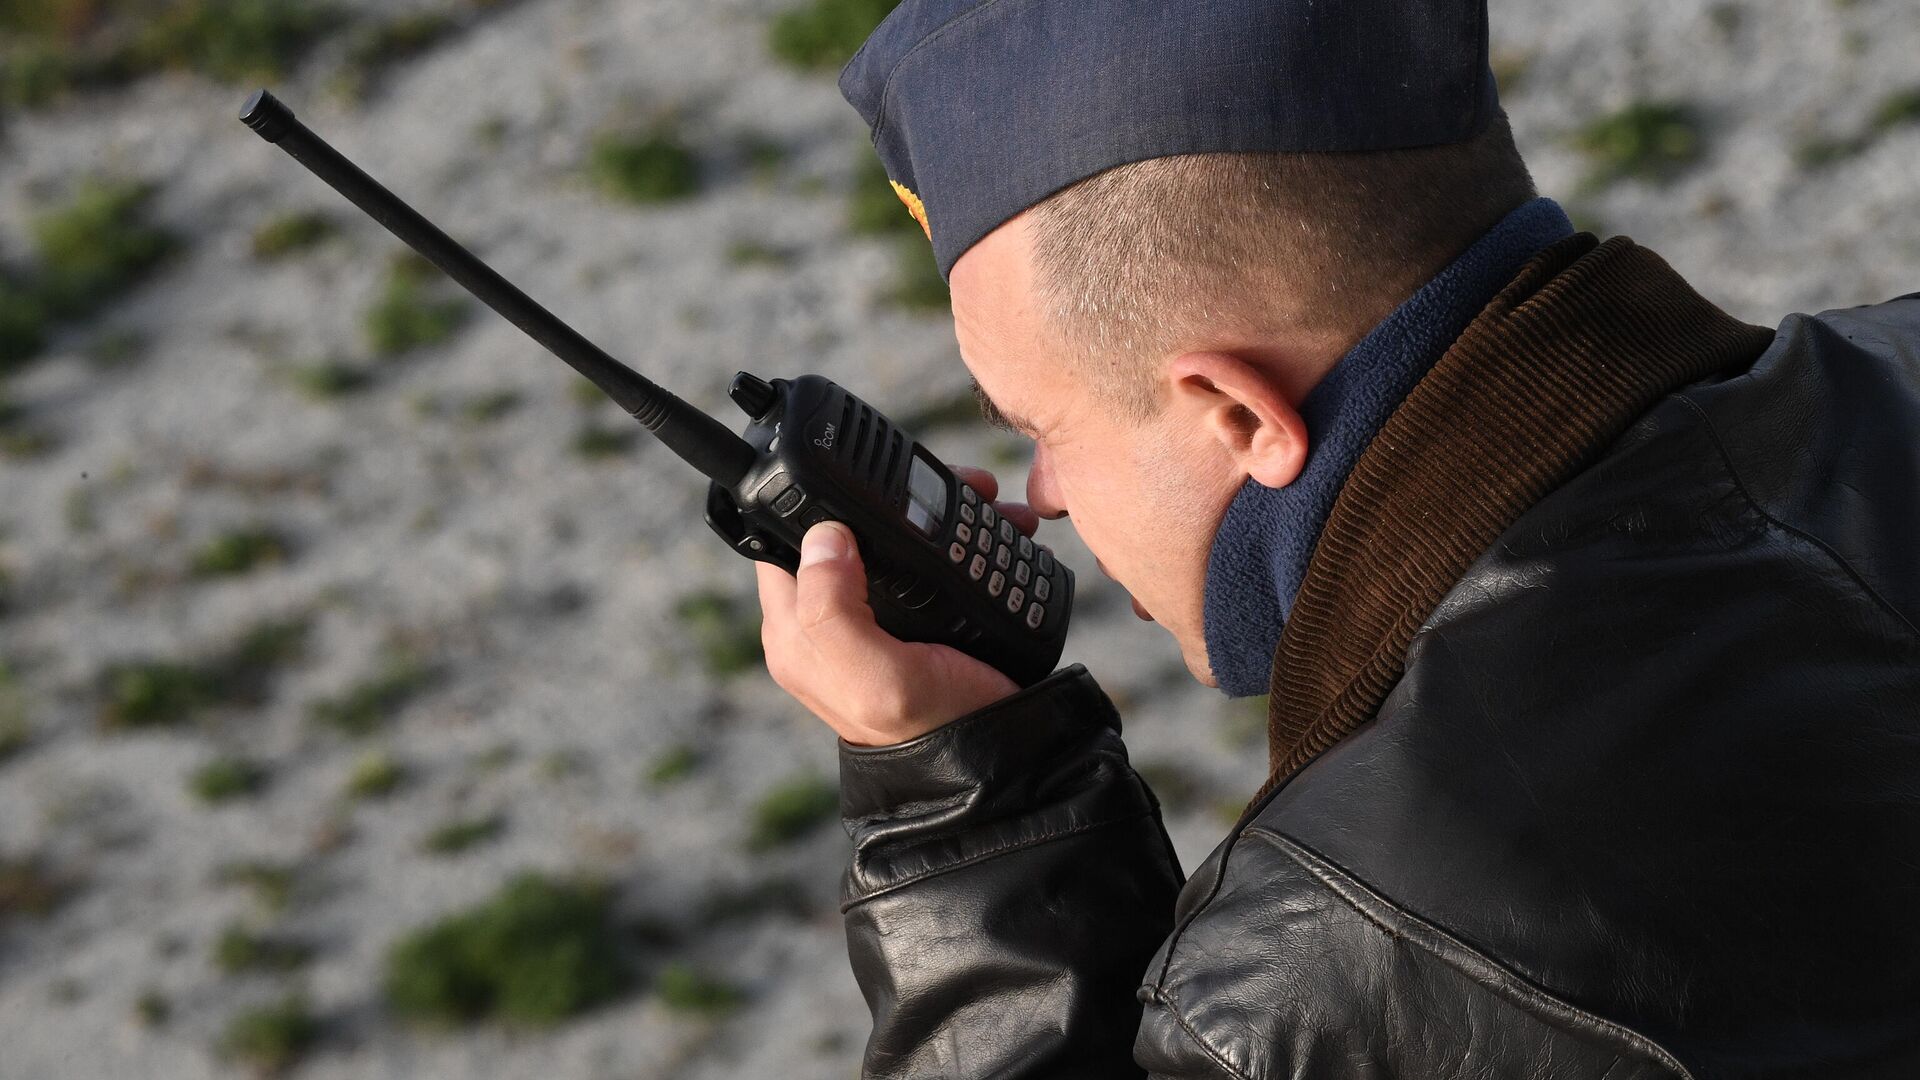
(914, 207)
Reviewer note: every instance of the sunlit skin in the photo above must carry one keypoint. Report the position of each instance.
(1146, 497)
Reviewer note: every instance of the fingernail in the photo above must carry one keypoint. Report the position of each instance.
(827, 540)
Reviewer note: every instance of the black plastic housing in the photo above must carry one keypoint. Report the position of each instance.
(849, 463)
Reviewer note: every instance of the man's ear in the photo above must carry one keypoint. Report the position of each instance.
(1244, 408)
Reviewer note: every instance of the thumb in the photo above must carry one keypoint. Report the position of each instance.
(830, 592)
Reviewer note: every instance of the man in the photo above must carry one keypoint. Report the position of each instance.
(1588, 613)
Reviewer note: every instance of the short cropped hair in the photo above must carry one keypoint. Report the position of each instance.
(1182, 252)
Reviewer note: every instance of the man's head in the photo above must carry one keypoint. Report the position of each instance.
(1155, 327)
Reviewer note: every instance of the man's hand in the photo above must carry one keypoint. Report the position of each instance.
(825, 649)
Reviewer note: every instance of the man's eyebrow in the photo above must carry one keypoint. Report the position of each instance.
(994, 415)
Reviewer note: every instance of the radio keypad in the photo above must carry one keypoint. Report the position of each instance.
(969, 496)
(1034, 614)
(988, 516)
(967, 515)
(1042, 588)
(1044, 563)
(1003, 556)
(996, 584)
(1007, 531)
(1022, 572)
(1005, 561)
(1015, 598)
(977, 568)
(963, 532)
(983, 539)
(1025, 547)
(958, 553)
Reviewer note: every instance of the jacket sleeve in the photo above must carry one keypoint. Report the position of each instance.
(1010, 881)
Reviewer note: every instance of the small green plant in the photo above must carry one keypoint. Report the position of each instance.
(227, 778)
(237, 552)
(790, 810)
(29, 887)
(273, 1038)
(683, 989)
(239, 950)
(290, 233)
(652, 167)
(674, 765)
(147, 693)
(454, 837)
(272, 883)
(95, 246)
(1895, 110)
(413, 311)
(485, 408)
(824, 34)
(724, 629)
(367, 705)
(1651, 140)
(327, 380)
(746, 253)
(23, 324)
(151, 1009)
(537, 953)
(597, 441)
(375, 776)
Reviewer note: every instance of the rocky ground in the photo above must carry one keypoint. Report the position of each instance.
(329, 605)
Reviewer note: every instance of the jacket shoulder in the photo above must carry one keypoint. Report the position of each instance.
(1288, 966)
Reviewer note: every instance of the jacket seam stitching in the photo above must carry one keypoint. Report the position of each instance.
(1172, 1006)
(997, 850)
(1522, 986)
(1733, 473)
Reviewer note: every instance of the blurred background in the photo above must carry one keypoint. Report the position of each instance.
(373, 701)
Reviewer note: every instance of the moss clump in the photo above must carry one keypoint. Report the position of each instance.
(148, 693)
(327, 380)
(683, 989)
(239, 950)
(375, 776)
(674, 765)
(96, 246)
(1896, 110)
(487, 407)
(652, 167)
(725, 629)
(824, 34)
(1651, 140)
(233, 40)
(595, 441)
(272, 883)
(454, 837)
(273, 1038)
(537, 953)
(224, 779)
(413, 310)
(289, 234)
(28, 886)
(367, 705)
(791, 810)
(237, 552)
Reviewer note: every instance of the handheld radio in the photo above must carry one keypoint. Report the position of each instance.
(941, 565)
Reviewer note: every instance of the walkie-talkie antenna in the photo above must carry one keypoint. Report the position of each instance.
(701, 440)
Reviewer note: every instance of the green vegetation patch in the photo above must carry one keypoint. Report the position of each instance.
(233, 553)
(790, 810)
(273, 1038)
(272, 883)
(147, 693)
(224, 779)
(597, 441)
(1650, 140)
(366, 706)
(30, 887)
(673, 765)
(239, 950)
(454, 837)
(538, 952)
(488, 406)
(874, 209)
(724, 628)
(373, 48)
(824, 34)
(152, 1009)
(1896, 110)
(415, 308)
(651, 167)
(327, 380)
(289, 234)
(96, 246)
(375, 776)
(683, 989)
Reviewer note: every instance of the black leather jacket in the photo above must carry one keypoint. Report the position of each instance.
(1645, 802)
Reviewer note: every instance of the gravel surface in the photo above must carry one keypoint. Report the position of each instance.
(535, 589)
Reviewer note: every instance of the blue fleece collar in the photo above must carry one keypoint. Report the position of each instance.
(1260, 552)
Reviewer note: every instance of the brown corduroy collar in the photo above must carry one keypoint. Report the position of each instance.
(1582, 342)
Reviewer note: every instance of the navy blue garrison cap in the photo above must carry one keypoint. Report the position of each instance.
(982, 108)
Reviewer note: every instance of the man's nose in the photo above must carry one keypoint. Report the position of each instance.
(1040, 494)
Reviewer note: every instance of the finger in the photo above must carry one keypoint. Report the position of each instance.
(1023, 516)
(830, 598)
(979, 480)
(776, 593)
